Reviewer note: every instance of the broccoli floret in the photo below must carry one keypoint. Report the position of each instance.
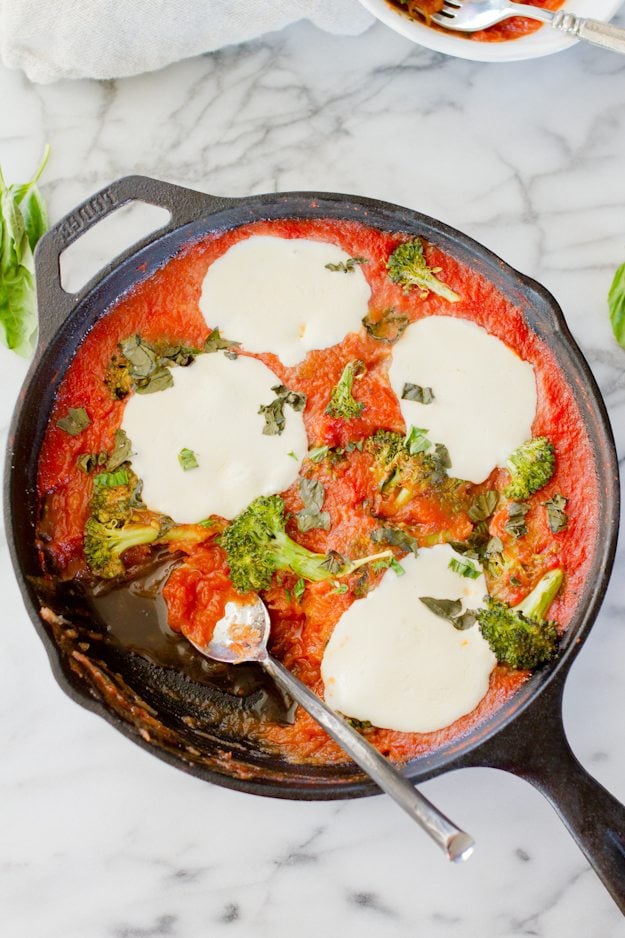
(408, 267)
(342, 403)
(104, 544)
(118, 520)
(521, 636)
(402, 474)
(257, 546)
(531, 466)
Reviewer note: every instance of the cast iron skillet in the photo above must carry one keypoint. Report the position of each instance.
(171, 715)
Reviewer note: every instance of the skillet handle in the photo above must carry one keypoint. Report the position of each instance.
(184, 205)
(534, 747)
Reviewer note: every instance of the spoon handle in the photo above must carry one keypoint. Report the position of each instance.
(456, 844)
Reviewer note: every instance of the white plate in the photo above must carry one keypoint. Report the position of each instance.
(543, 42)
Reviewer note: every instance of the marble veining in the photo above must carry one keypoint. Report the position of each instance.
(99, 840)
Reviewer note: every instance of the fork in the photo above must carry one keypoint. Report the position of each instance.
(469, 16)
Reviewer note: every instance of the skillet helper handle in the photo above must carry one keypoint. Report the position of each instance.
(184, 206)
(534, 747)
(456, 844)
(594, 31)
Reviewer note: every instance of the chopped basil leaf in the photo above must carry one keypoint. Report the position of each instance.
(494, 546)
(466, 621)
(557, 517)
(388, 328)
(273, 413)
(414, 392)
(311, 517)
(339, 588)
(333, 563)
(396, 567)
(216, 343)
(318, 453)
(108, 480)
(143, 358)
(90, 461)
(396, 537)
(445, 608)
(451, 610)
(298, 589)
(75, 421)
(182, 355)
(159, 380)
(347, 266)
(207, 523)
(515, 524)
(187, 459)
(121, 450)
(483, 506)
(292, 455)
(616, 304)
(416, 441)
(464, 568)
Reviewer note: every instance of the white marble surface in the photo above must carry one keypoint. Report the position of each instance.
(98, 839)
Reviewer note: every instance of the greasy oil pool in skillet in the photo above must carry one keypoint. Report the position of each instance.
(232, 698)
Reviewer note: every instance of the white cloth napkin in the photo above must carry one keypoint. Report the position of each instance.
(52, 39)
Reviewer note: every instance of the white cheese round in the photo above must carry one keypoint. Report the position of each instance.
(212, 409)
(276, 295)
(401, 667)
(484, 394)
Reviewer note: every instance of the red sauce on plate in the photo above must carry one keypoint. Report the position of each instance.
(166, 306)
(512, 28)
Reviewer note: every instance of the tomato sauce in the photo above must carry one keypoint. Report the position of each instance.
(512, 28)
(166, 306)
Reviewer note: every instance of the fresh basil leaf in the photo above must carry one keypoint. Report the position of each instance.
(348, 266)
(616, 303)
(557, 518)
(339, 588)
(298, 589)
(416, 441)
(414, 392)
(23, 220)
(445, 608)
(109, 480)
(187, 459)
(75, 421)
(464, 568)
(389, 328)
(311, 517)
(396, 537)
(216, 343)
(334, 562)
(275, 421)
(121, 450)
(483, 506)
(515, 524)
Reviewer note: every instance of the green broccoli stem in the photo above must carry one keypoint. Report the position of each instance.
(536, 604)
(132, 536)
(288, 554)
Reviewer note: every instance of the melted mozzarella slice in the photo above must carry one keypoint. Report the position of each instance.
(484, 394)
(276, 295)
(212, 409)
(401, 667)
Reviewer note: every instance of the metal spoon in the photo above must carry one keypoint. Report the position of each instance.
(242, 635)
